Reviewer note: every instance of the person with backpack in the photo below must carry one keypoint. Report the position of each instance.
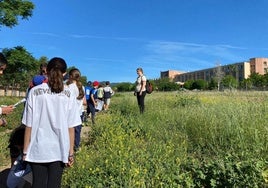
(100, 92)
(108, 93)
(140, 89)
(92, 102)
(88, 87)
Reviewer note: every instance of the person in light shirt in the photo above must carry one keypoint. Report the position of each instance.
(78, 89)
(108, 93)
(50, 116)
(140, 90)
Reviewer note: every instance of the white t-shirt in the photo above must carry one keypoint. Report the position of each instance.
(50, 115)
(108, 89)
(73, 87)
(139, 81)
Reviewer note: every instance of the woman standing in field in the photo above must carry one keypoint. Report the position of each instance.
(50, 116)
(79, 91)
(140, 90)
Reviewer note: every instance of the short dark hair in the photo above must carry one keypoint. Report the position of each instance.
(107, 83)
(89, 83)
(140, 69)
(3, 60)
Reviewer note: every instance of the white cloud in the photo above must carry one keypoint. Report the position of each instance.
(81, 36)
(188, 56)
(46, 34)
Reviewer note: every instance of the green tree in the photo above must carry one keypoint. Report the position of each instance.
(21, 67)
(83, 80)
(257, 80)
(246, 83)
(212, 84)
(12, 10)
(124, 86)
(265, 79)
(199, 84)
(230, 82)
(188, 84)
(165, 84)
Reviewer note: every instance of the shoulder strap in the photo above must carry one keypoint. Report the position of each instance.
(141, 79)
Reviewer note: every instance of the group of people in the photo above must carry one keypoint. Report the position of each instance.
(98, 97)
(52, 117)
(51, 121)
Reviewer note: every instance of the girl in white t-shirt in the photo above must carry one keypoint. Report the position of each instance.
(50, 116)
(78, 89)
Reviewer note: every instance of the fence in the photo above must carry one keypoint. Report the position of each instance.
(13, 93)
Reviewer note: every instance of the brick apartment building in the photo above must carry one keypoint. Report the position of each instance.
(171, 74)
(240, 71)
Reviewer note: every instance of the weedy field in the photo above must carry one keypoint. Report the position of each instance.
(184, 139)
(200, 139)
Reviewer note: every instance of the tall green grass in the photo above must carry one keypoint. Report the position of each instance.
(182, 140)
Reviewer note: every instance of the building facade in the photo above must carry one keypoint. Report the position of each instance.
(258, 65)
(171, 74)
(240, 71)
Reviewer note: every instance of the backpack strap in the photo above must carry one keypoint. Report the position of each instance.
(142, 81)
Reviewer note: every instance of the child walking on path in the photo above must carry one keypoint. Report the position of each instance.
(92, 102)
(50, 115)
(108, 93)
(79, 91)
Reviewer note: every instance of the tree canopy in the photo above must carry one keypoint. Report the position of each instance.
(12, 10)
(230, 82)
(21, 67)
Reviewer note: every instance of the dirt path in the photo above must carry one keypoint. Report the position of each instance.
(85, 132)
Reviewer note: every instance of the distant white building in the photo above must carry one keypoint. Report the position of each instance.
(240, 71)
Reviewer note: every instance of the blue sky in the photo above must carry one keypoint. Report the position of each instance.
(109, 39)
